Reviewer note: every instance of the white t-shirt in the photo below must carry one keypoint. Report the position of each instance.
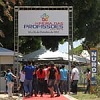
(22, 76)
(46, 76)
(76, 71)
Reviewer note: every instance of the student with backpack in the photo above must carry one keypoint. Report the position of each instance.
(10, 82)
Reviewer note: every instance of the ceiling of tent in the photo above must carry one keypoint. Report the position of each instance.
(34, 55)
(47, 55)
(6, 52)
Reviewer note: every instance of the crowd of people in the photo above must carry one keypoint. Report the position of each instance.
(44, 79)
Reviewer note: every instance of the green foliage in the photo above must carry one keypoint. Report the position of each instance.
(78, 50)
(97, 89)
(52, 42)
(81, 96)
(86, 21)
(29, 44)
(99, 54)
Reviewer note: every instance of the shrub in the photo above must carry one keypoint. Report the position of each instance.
(97, 89)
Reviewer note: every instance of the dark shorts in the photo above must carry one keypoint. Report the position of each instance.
(51, 82)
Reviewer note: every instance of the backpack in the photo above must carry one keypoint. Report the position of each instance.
(9, 77)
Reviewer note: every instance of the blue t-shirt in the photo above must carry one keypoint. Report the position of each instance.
(63, 74)
(9, 77)
(29, 72)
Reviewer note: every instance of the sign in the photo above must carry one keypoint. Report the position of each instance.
(94, 63)
(43, 22)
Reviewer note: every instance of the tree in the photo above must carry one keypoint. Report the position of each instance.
(87, 22)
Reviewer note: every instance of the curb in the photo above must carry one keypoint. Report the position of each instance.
(70, 97)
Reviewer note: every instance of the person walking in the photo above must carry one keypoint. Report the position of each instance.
(57, 82)
(74, 79)
(41, 75)
(29, 71)
(5, 73)
(35, 83)
(52, 78)
(21, 80)
(46, 91)
(63, 79)
(88, 77)
(10, 82)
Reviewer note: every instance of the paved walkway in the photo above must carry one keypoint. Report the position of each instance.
(5, 97)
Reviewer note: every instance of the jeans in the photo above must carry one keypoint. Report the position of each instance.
(57, 87)
(46, 90)
(63, 86)
(41, 86)
(74, 86)
(88, 87)
(28, 86)
(22, 88)
(34, 86)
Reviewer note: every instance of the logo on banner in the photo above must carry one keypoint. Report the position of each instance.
(44, 17)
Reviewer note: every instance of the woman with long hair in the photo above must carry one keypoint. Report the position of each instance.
(10, 82)
(41, 75)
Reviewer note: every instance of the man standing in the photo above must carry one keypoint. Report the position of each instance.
(88, 77)
(74, 79)
(63, 79)
(21, 79)
(29, 71)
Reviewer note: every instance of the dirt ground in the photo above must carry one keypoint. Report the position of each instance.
(8, 98)
(5, 97)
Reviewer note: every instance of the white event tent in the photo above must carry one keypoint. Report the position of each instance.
(49, 55)
(85, 54)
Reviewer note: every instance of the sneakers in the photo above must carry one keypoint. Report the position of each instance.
(27, 94)
(73, 93)
(57, 96)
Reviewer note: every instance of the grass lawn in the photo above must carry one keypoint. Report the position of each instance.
(81, 96)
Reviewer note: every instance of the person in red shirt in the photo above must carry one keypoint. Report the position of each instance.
(57, 82)
(41, 76)
(46, 90)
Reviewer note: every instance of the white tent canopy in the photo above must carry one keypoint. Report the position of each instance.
(49, 54)
(59, 55)
(81, 59)
(85, 54)
(34, 55)
(43, 54)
